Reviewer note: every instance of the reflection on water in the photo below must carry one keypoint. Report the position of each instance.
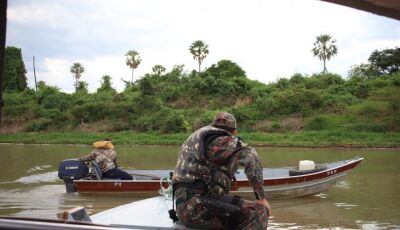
(367, 198)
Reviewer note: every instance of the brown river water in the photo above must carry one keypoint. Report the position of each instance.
(368, 198)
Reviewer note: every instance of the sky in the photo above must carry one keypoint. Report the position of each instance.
(268, 39)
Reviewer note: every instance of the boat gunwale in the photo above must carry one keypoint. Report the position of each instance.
(345, 163)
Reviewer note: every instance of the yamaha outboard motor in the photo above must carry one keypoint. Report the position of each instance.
(72, 169)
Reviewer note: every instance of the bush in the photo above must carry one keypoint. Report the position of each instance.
(370, 109)
(90, 112)
(173, 123)
(38, 125)
(17, 110)
(371, 127)
(317, 123)
(267, 106)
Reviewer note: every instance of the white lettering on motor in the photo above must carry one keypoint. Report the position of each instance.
(71, 167)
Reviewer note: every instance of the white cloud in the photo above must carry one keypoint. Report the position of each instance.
(55, 72)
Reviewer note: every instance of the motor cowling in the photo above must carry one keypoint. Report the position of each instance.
(72, 169)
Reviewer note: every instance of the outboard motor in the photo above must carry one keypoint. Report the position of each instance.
(72, 169)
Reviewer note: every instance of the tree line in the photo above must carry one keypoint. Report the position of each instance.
(324, 49)
(180, 101)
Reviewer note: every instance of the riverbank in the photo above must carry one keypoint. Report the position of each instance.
(295, 139)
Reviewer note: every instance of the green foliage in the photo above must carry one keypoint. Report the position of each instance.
(18, 104)
(317, 123)
(38, 125)
(225, 69)
(178, 101)
(77, 69)
(199, 50)
(50, 97)
(158, 69)
(207, 117)
(105, 85)
(14, 70)
(146, 87)
(386, 61)
(363, 71)
(297, 101)
(267, 106)
(133, 60)
(297, 79)
(324, 48)
(82, 87)
(391, 95)
(369, 109)
(172, 121)
(282, 84)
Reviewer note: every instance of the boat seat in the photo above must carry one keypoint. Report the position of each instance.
(97, 170)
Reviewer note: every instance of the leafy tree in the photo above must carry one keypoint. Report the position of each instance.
(77, 69)
(158, 69)
(386, 61)
(324, 48)
(199, 50)
(297, 79)
(146, 87)
(50, 98)
(82, 87)
(133, 60)
(225, 69)
(392, 96)
(282, 83)
(14, 70)
(106, 85)
(363, 71)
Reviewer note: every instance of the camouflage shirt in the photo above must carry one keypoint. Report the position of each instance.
(225, 153)
(105, 158)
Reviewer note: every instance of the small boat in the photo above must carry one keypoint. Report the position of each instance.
(283, 182)
(152, 213)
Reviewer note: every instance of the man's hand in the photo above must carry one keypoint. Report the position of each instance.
(265, 203)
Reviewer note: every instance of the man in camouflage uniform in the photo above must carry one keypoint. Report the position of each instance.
(106, 158)
(208, 160)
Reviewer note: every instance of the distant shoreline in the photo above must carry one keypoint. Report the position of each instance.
(261, 146)
(309, 139)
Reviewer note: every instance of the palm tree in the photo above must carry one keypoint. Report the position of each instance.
(324, 48)
(158, 69)
(199, 50)
(132, 60)
(77, 70)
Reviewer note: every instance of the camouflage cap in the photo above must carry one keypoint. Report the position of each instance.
(225, 120)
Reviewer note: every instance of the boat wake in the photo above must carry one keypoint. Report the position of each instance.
(38, 168)
(39, 178)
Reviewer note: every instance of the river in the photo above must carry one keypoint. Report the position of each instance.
(368, 198)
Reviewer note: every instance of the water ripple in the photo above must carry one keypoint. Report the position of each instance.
(38, 168)
(41, 177)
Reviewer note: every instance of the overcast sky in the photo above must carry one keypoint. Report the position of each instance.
(268, 39)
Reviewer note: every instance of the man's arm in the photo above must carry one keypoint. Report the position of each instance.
(265, 203)
(248, 158)
(88, 157)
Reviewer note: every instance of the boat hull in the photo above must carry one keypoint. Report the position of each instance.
(277, 182)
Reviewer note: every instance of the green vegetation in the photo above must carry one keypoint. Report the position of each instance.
(303, 139)
(14, 70)
(133, 60)
(164, 107)
(77, 69)
(324, 48)
(199, 50)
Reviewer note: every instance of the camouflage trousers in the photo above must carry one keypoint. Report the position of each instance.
(192, 212)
